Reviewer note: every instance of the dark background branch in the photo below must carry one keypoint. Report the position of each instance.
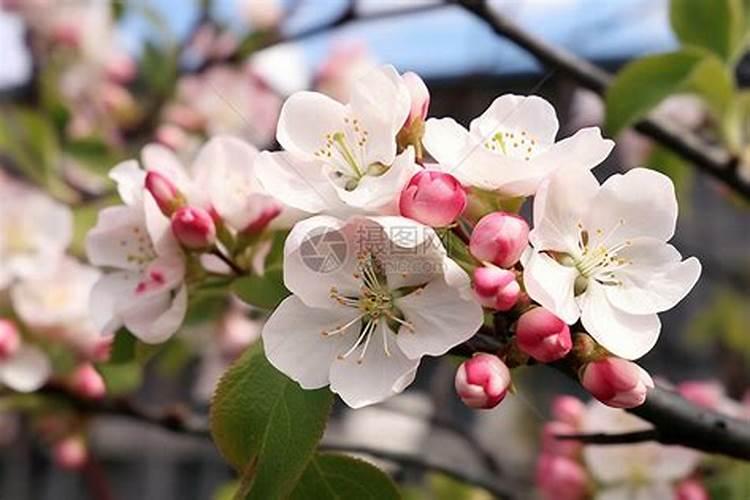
(712, 160)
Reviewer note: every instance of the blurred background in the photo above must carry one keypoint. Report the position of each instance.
(85, 83)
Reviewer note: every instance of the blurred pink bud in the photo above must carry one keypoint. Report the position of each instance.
(499, 238)
(185, 117)
(172, 136)
(121, 68)
(433, 198)
(568, 409)
(101, 349)
(194, 228)
(165, 193)
(563, 447)
(617, 382)
(70, 453)
(691, 489)
(87, 383)
(270, 211)
(420, 98)
(482, 381)
(496, 288)
(67, 35)
(560, 478)
(10, 340)
(543, 336)
(706, 394)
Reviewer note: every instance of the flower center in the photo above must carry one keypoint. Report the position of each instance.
(598, 261)
(514, 144)
(345, 151)
(375, 303)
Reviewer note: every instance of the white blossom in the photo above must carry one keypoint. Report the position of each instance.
(600, 254)
(362, 326)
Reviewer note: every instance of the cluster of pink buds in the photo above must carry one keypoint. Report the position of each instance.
(10, 340)
(482, 381)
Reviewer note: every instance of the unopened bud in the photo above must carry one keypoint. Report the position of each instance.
(691, 489)
(499, 238)
(194, 228)
(70, 453)
(482, 381)
(543, 336)
(496, 288)
(433, 198)
(10, 340)
(87, 383)
(553, 445)
(568, 409)
(617, 382)
(270, 211)
(560, 478)
(165, 193)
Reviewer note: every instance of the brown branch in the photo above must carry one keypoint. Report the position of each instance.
(714, 161)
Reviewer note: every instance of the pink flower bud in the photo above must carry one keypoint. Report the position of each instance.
(706, 394)
(100, 350)
(172, 136)
(691, 489)
(194, 228)
(433, 198)
(10, 340)
(121, 68)
(568, 409)
(496, 288)
(270, 211)
(482, 381)
(165, 193)
(499, 238)
(560, 478)
(420, 97)
(543, 336)
(563, 447)
(70, 453)
(87, 383)
(617, 382)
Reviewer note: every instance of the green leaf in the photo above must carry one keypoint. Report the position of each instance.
(715, 25)
(668, 163)
(121, 378)
(265, 425)
(643, 84)
(339, 477)
(123, 347)
(265, 291)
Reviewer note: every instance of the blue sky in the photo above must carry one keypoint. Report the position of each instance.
(449, 41)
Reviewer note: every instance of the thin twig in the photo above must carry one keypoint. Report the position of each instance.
(229, 262)
(714, 161)
(604, 438)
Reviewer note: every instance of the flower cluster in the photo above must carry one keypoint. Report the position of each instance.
(568, 470)
(405, 240)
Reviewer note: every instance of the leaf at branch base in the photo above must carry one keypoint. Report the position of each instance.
(641, 85)
(715, 25)
(265, 291)
(265, 425)
(339, 477)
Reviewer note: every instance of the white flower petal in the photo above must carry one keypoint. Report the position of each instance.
(381, 103)
(640, 203)
(27, 370)
(447, 142)
(104, 298)
(655, 281)
(305, 121)
(551, 285)
(159, 228)
(155, 320)
(319, 254)
(559, 205)
(530, 114)
(114, 241)
(378, 377)
(297, 182)
(441, 317)
(294, 345)
(626, 335)
(130, 179)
